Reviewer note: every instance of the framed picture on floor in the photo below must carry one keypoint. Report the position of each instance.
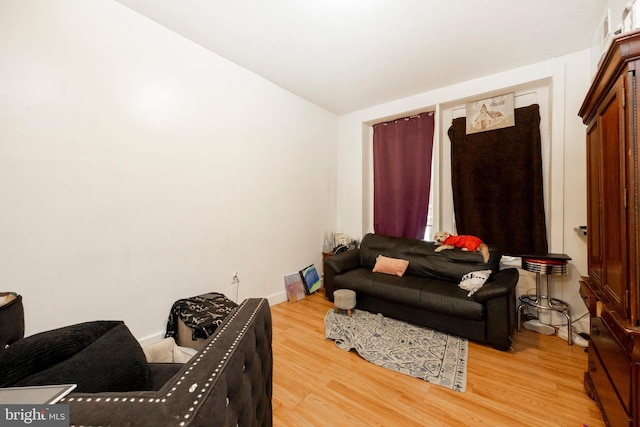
(310, 278)
(294, 286)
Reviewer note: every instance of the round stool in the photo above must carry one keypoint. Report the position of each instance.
(344, 299)
(550, 264)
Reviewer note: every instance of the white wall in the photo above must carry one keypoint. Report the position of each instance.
(601, 41)
(137, 168)
(567, 79)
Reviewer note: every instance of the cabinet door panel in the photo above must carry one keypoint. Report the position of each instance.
(612, 210)
(608, 399)
(613, 359)
(594, 195)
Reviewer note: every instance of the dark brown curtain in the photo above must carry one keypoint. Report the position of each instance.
(402, 175)
(497, 184)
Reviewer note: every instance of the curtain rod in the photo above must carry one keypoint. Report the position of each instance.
(415, 116)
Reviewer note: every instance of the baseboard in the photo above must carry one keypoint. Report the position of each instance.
(277, 298)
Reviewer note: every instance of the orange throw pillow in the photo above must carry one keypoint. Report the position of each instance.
(388, 265)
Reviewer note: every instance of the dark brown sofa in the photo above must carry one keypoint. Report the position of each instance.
(428, 293)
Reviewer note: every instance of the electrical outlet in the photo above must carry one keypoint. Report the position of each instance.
(235, 283)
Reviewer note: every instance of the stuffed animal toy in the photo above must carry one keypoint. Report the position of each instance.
(444, 240)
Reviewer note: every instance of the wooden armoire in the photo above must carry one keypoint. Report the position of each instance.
(611, 111)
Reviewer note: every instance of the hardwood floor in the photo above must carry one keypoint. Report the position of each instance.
(537, 383)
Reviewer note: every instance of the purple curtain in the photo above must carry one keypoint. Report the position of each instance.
(402, 175)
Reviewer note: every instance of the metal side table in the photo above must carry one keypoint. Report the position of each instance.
(549, 264)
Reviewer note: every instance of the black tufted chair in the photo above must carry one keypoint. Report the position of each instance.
(227, 383)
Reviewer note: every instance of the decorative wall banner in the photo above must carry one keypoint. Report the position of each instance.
(489, 114)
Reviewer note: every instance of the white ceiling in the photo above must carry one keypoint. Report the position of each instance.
(346, 55)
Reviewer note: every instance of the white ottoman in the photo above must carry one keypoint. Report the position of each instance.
(344, 299)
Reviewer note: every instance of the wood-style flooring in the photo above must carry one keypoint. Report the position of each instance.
(537, 383)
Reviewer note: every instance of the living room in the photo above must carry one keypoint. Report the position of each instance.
(139, 167)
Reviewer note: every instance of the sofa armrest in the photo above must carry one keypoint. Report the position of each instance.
(338, 264)
(501, 284)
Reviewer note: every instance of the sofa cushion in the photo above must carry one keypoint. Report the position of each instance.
(97, 356)
(167, 351)
(387, 265)
(161, 373)
(419, 292)
(160, 352)
(40, 351)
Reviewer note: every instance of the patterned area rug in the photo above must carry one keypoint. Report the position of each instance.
(412, 350)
